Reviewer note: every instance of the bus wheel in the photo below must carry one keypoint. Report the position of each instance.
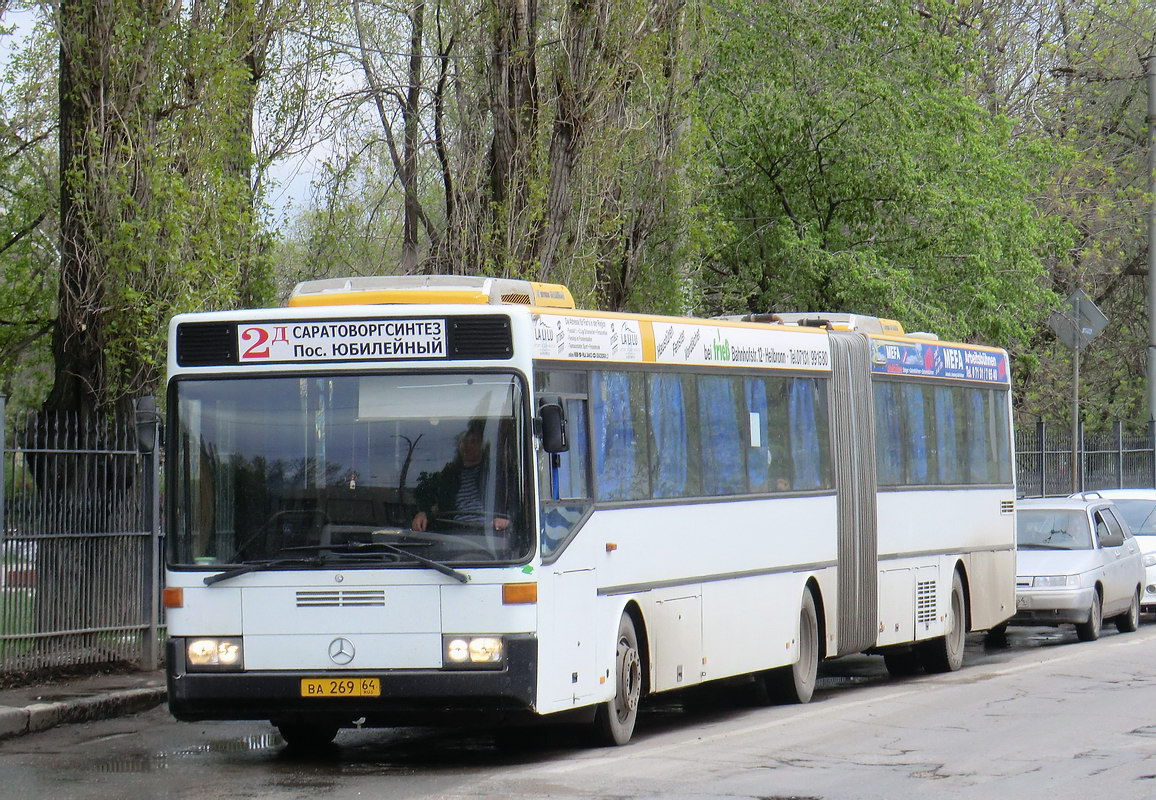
(303, 736)
(614, 720)
(945, 654)
(796, 683)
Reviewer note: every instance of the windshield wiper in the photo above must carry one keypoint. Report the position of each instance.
(367, 548)
(258, 566)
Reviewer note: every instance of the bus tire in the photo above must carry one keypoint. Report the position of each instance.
(614, 720)
(796, 683)
(945, 653)
(302, 736)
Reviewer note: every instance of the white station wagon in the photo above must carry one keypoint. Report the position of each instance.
(1076, 562)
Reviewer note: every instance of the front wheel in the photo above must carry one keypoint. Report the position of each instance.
(796, 683)
(1130, 619)
(945, 654)
(1090, 631)
(614, 720)
(303, 737)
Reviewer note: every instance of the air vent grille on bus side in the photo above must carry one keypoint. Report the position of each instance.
(203, 344)
(486, 336)
(521, 299)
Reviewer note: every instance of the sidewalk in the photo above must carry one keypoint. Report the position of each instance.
(31, 709)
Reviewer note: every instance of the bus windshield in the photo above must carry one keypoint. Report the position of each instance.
(374, 467)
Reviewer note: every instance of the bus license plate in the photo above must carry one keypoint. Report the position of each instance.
(340, 687)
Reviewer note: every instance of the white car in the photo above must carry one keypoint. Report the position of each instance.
(1076, 562)
(1138, 507)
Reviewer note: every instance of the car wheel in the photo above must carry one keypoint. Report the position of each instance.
(614, 720)
(1090, 631)
(1130, 619)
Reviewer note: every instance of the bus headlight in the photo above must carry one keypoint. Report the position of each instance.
(474, 652)
(215, 654)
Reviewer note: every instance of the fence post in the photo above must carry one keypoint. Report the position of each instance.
(152, 487)
(3, 482)
(1119, 454)
(1078, 447)
(1152, 453)
(1042, 448)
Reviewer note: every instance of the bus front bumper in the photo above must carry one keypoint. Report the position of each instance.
(408, 697)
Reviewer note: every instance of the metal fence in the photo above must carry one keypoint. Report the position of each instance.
(1120, 457)
(79, 546)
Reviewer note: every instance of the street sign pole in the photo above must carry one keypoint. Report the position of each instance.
(1076, 420)
(1076, 325)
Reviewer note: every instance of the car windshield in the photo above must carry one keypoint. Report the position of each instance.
(1139, 514)
(374, 467)
(1051, 529)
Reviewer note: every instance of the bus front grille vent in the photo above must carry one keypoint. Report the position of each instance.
(481, 337)
(924, 602)
(205, 344)
(340, 598)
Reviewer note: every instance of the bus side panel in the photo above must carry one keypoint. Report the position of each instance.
(923, 534)
(751, 624)
(567, 647)
(993, 597)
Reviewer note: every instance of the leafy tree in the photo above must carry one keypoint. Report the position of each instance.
(850, 170)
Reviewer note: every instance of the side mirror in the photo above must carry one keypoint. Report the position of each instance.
(147, 423)
(1112, 540)
(553, 428)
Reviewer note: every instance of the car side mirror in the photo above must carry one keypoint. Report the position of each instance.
(553, 421)
(148, 424)
(1112, 540)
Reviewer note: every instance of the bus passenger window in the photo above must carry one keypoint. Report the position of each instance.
(619, 436)
(722, 438)
(673, 460)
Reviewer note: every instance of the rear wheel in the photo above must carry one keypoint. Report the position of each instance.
(796, 683)
(1090, 631)
(945, 654)
(614, 720)
(303, 736)
(1130, 619)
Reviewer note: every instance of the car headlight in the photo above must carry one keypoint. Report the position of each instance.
(473, 652)
(1055, 581)
(215, 654)
(1150, 560)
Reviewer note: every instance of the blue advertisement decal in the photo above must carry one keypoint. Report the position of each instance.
(936, 360)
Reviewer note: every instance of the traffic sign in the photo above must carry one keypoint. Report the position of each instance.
(1078, 321)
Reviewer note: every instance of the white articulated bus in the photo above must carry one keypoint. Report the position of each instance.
(424, 500)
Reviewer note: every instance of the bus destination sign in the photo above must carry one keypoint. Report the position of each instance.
(341, 340)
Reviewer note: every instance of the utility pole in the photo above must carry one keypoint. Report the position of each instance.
(1151, 62)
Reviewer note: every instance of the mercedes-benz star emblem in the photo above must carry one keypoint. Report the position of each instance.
(341, 651)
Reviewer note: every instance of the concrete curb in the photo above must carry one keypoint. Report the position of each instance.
(38, 717)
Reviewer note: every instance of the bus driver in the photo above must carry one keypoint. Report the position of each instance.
(457, 492)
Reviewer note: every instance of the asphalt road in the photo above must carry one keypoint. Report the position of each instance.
(1044, 717)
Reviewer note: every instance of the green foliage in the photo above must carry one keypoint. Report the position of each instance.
(852, 172)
